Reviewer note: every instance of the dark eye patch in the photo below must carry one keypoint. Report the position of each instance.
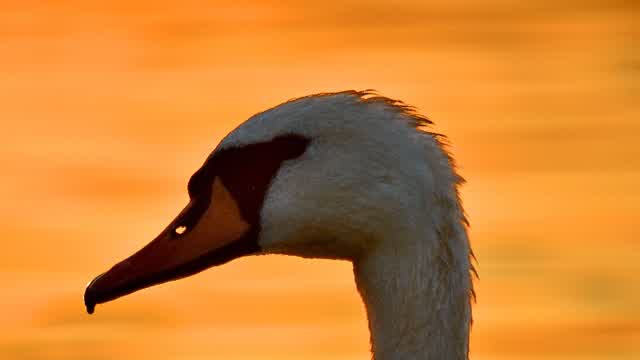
(246, 171)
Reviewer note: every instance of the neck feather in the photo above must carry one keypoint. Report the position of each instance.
(417, 298)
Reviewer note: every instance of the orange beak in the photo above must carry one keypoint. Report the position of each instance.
(218, 236)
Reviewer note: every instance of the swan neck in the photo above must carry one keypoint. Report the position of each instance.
(417, 306)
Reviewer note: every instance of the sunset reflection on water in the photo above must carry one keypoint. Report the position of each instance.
(108, 109)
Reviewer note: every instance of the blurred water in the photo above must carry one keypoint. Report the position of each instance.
(107, 109)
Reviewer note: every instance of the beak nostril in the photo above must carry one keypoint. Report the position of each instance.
(180, 230)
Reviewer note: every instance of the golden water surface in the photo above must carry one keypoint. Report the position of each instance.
(108, 107)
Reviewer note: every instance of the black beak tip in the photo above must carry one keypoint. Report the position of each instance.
(90, 308)
(90, 296)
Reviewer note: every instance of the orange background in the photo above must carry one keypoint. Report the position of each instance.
(106, 111)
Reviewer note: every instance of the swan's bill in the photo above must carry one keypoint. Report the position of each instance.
(219, 234)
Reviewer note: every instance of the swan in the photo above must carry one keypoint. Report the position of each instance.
(349, 175)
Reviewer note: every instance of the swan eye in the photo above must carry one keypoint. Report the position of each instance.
(180, 230)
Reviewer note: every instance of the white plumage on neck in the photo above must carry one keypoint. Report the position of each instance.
(416, 285)
(417, 306)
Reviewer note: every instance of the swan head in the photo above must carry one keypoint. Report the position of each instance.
(324, 176)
